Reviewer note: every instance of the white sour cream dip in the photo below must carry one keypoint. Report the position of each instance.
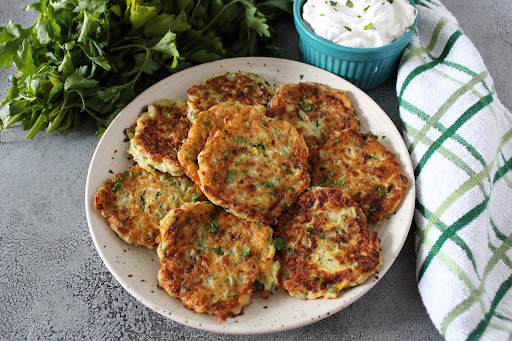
(359, 23)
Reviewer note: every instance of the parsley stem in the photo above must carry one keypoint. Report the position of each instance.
(36, 127)
(220, 13)
(194, 11)
(56, 122)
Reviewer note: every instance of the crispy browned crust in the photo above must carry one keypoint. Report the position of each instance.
(361, 166)
(314, 110)
(160, 137)
(240, 87)
(255, 166)
(204, 123)
(212, 259)
(136, 221)
(327, 245)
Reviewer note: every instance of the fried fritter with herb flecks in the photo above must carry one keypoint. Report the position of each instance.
(314, 110)
(361, 166)
(244, 87)
(203, 125)
(256, 166)
(214, 261)
(325, 245)
(158, 135)
(133, 202)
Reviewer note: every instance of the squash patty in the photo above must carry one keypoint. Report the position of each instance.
(203, 125)
(361, 166)
(243, 87)
(214, 261)
(314, 110)
(158, 135)
(325, 245)
(256, 167)
(133, 202)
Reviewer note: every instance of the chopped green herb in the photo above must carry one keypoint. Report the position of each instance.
(390, 1)
(110, 171)
(206, 123)
(305, 106)
(364, 10)
(246, 250)
(285, 168)
(116, 186)
(143, 202)
(230, 175)
(349, 4)
(194, 197)
(218, 250)
(268, 184)
(189, 183)
(158, 194)
(153, 170)
(126, 139)
(301, 76)
(232, 293)
(331, 290)
(237, 163)
(339, 182)
(369, 27)
(333, 3)
(310, 231)
(279, 243)
(239, 139)
(336, 140)
(381, 191)
(214, 227)
(348, 28)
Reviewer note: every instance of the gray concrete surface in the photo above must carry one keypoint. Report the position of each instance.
(54, 285)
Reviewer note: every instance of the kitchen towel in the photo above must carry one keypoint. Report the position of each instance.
(459, 137)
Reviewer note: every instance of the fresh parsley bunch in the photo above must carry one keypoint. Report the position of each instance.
(87, 56)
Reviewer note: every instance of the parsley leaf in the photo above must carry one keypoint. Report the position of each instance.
(87, 57)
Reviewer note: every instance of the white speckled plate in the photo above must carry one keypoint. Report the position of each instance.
(136, 267)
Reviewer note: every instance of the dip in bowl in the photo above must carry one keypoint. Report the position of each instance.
(365, 67)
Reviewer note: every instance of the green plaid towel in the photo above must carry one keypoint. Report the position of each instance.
(459, 137)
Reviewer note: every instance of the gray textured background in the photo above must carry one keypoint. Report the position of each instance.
(53, 284)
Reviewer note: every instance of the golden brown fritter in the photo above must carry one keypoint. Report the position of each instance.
(325, 245)
(205, 122)
(361, 166)
(255, 166)
(134, 202)
(214, 261)
(243, 87)
(158, 135)
(314, 110)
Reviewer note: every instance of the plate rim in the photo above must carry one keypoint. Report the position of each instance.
(266, 62)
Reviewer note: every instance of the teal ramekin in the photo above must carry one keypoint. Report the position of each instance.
(366, 68)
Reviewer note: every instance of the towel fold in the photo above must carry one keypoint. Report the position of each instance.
(460, 140)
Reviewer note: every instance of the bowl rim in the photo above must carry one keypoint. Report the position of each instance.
(301, 26)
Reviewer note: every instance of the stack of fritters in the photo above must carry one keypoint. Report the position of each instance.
(248, 174)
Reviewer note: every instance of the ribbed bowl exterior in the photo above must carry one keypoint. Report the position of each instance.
(367, 68)
(365, 75)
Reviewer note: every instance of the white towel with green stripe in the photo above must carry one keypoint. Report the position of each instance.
(460, 140)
